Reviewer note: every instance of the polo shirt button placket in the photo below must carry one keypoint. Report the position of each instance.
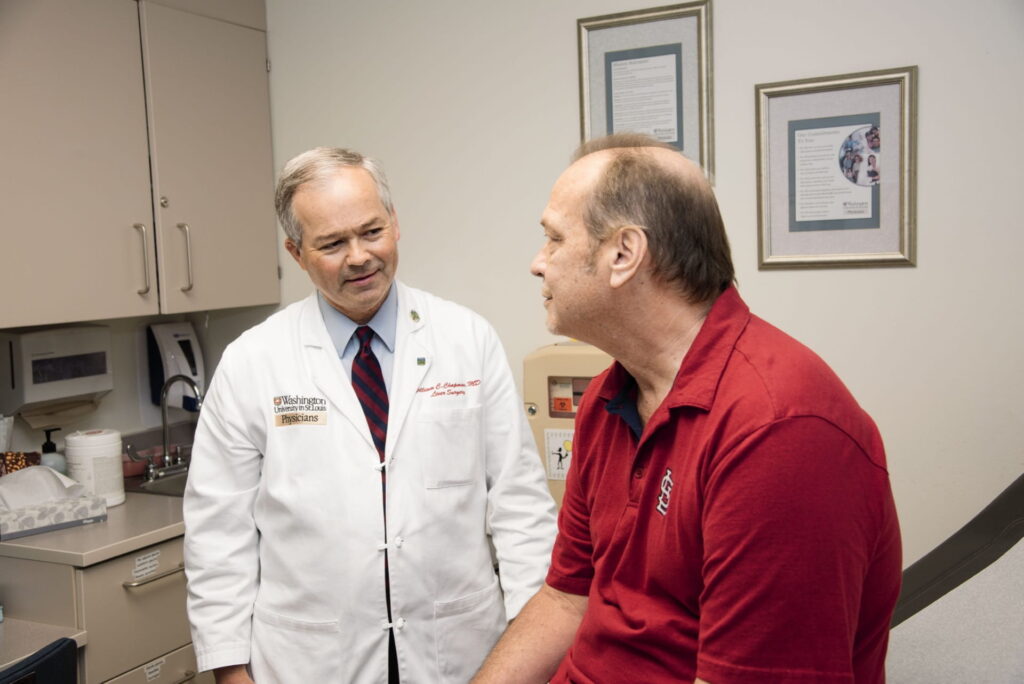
(636, 483)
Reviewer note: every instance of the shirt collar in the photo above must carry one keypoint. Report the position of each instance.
(341, 328)
(704, 363)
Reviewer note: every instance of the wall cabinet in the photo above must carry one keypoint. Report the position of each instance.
(138, 174)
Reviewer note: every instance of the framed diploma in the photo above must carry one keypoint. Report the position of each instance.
(649, 72)
(836, 170)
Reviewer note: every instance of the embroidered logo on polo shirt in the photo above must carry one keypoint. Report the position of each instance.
(666, 491)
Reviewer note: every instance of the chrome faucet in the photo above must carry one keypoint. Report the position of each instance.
(153, 473)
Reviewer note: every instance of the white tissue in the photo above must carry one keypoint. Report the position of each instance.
(35, 485)
(6, 430)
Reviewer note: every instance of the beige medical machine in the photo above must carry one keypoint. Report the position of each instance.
(554, 378)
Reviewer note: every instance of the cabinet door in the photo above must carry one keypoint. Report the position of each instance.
(209, 123)
(75, 174)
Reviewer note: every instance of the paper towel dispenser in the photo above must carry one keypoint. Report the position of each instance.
(47, 366)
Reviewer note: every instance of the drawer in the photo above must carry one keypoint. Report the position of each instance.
(176, 667)
(133, 608)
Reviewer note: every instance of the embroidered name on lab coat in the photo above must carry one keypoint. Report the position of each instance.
(450, 389)
(293, 409)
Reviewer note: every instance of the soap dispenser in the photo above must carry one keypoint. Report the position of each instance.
(51, 457)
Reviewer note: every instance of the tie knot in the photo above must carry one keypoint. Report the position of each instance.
(364, 334)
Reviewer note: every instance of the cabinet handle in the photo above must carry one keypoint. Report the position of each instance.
(153, 578)
(188, 255)
(189, 676)
(145, 256)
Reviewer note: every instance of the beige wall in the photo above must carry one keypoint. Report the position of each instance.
(473, 109)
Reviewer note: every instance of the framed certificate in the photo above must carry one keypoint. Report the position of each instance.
(649, 72)
(836, 170)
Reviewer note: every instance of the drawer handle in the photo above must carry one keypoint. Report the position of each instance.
(154, 578)
(189, 676)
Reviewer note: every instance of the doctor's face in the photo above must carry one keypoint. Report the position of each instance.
(349, 241)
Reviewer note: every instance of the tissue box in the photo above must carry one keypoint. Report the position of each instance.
(51, 515)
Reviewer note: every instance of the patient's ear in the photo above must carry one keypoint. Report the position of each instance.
(630, 249)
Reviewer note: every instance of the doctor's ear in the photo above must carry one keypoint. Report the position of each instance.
(294, 250)
(629, 245)
(394, 224)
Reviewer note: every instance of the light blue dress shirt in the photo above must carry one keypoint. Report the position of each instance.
(342, 330)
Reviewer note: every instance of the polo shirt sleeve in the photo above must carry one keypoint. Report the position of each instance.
(572, 568)
(797, 521)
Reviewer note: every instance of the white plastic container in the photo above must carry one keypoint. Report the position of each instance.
(94, 460)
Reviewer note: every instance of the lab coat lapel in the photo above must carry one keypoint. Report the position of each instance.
(326, 370)
(413, 356)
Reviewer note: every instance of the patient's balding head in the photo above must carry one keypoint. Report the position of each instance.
(640, 181)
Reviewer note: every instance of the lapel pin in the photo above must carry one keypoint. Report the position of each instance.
(414, 316)
(421, 361)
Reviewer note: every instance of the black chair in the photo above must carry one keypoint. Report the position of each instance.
(56, 663)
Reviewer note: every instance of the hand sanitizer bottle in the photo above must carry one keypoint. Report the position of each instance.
(51, 457)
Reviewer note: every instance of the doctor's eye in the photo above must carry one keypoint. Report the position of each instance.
(331, 246)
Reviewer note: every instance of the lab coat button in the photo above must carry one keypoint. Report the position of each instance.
(398, 542)
(400, 623)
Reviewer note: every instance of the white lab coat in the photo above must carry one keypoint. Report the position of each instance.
(284, 525)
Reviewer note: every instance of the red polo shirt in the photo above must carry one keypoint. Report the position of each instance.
(747, 534)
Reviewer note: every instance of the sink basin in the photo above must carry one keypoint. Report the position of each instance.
(170, 485)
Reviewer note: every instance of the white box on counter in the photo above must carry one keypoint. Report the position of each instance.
(51, 515)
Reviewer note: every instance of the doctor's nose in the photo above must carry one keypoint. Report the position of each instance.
(357, 254)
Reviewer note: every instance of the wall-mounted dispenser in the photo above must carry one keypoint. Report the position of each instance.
(173, 349)
(54, 372)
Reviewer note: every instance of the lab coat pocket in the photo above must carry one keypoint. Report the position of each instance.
(294, 624)
(451, 443)
(466, 629)
(287, 649)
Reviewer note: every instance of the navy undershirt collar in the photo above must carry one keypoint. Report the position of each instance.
(624, 406)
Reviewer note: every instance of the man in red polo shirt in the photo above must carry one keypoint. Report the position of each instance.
(728, 515)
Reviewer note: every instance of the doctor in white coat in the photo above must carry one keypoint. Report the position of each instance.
(310, 560)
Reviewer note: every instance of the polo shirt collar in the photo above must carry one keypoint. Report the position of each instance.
(702, 367)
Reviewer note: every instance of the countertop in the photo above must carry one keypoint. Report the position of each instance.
(142, 519)
(20, 638)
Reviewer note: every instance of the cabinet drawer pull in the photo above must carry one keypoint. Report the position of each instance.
(189, 676)
(188, 255)
(145, 256)
(153, 578)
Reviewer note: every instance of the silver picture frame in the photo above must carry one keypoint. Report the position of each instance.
(649, 71)
(836, 170)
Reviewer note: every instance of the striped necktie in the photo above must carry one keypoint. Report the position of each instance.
(368, 382)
